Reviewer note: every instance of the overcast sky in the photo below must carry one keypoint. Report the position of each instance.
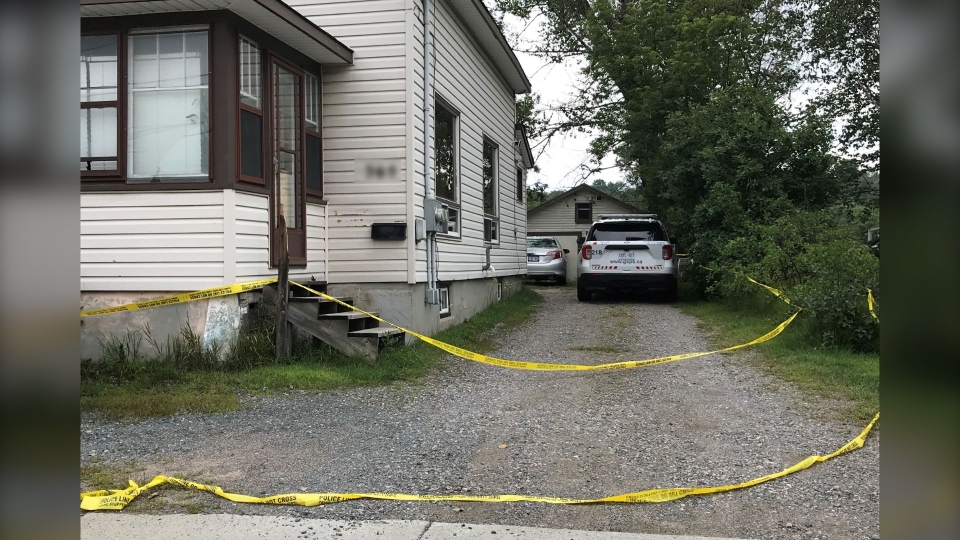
(560, 163)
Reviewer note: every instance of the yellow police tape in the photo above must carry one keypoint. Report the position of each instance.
(117, 499)
(542, 366)
(452, 349)
(213, 292)
(870, 303)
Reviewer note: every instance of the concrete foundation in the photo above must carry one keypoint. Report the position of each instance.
(219, 320)
(405, 305)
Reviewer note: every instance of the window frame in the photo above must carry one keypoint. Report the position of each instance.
(315, 133)
(521, 184)
(158, 30)
(576, 212)
(491, 220)
(120, 105)
(124, 29)
(265, 160)
(224, 28)
(446, 203)
(444, 293)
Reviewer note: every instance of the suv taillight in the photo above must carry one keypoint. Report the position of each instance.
(668, 252)
(554, 254)
(585, 253)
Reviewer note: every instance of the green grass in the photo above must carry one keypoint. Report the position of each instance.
(123, 389)
(817, 372)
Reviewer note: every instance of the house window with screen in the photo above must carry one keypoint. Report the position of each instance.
(584, 212)
(446, 167)
(490, 221)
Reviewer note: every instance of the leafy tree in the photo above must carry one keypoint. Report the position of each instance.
(740, 159)
(624, 191)
(647, 59)
(844, 53)
(536, 194)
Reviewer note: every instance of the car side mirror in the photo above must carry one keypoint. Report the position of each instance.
(673, 240)
(565, 250)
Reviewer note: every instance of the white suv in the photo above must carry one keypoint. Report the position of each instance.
(627, 252)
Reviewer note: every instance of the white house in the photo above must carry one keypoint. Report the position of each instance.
(568, 216)
(202, 121)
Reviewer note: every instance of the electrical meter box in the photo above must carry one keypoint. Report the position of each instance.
(435, 216)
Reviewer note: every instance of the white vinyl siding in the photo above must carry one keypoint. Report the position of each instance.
(252, 244)
(560, 216)
(151, 241)
(467, 78)
(184, 241)
(364, 118)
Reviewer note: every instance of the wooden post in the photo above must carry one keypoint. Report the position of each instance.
(283, 334)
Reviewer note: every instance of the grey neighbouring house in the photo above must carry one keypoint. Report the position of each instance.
(203, 121)
(568, 216)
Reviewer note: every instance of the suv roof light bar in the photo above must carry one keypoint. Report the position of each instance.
(627, 216)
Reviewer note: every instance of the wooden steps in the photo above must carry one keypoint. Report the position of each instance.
(349, 331)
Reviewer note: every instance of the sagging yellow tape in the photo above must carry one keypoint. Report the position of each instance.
(212, 292)
(870, 303)
(117, 499)
(543, 366)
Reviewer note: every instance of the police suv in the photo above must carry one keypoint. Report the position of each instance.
(627, 252)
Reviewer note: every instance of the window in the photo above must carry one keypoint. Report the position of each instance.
(98, 104)
(313, 168)
(251, 112)
(287, 144)
(628, 230)
(156, 128)
(446, 173)
(521, 185)
(584, 212)
(444, 302)
(490, 168)
(168, 126)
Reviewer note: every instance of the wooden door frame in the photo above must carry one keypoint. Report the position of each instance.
(298, 235)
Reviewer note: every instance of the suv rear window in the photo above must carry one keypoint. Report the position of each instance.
(541, 243)
(627, 231)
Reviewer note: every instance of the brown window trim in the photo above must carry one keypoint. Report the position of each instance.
(120, 175)
(264, 161)
(275, 59)
(224, 27)
(307, 132)
(576, 213)
(261, 112)
(120, 104)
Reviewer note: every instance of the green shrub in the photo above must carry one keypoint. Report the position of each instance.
(816, 259)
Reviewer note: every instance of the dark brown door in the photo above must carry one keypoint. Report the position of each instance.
(288, 186)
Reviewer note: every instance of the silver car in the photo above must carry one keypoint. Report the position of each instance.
(546, 259)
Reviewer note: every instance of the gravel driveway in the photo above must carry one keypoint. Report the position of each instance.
(699, 422)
